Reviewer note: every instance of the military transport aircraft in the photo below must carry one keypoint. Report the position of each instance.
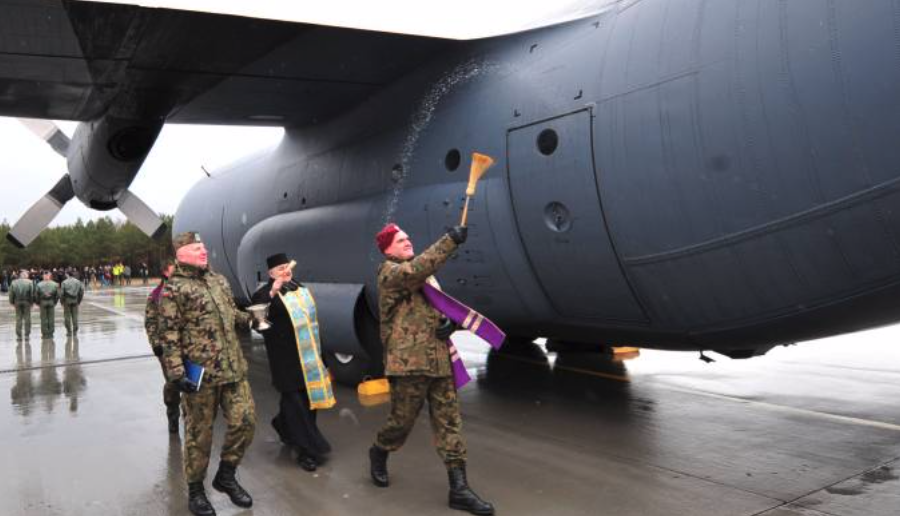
(680, 174)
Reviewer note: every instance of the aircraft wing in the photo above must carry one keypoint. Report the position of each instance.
(73, 60)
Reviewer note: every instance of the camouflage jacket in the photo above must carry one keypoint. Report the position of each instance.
(408, 321)
(71, 292)
(151, 315)
(197, 319)
(47, 293)
(21, 292)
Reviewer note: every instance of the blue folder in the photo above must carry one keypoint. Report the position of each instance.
(193, 372)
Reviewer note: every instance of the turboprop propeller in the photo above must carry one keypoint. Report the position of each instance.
(42, 212)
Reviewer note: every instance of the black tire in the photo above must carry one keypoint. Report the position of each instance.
(559, 346)
(518, 344)
(349, 373)
(369, 335)
(368, 364)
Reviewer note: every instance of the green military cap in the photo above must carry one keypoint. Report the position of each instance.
(185, 238)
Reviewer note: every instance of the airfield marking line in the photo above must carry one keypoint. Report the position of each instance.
(117, 312)
(75, 363)
(759, 404)
(794, 410)
(607, 376)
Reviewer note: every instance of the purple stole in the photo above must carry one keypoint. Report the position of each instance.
(157, 292)
(469, 320)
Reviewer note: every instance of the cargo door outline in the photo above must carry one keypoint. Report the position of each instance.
(602, 290)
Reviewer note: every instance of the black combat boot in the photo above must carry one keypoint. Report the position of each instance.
(226, 483)
(198, 503)
(378, 466)
(172, 415)
(307, 462)
(463, 498)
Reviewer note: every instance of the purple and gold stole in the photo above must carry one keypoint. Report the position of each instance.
(469, 320)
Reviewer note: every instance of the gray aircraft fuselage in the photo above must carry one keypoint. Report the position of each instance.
(683, 175)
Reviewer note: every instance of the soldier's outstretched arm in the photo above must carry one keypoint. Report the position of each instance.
(170, 334)
(413, 273)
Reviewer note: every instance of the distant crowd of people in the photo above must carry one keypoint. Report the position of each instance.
(95, 277)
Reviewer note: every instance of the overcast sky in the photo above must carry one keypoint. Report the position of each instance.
(30, 167)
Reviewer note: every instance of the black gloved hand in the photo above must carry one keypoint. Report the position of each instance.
(458, 234)
(445, 330)
(184, 385)
(158, 351)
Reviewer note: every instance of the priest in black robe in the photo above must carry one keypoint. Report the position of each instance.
(296, 421)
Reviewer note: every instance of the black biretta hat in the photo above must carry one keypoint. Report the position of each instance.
(276, 259)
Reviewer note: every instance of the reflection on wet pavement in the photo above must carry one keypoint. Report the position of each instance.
(74, 381)
(810, 430)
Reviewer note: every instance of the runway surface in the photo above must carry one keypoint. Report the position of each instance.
(809, 430)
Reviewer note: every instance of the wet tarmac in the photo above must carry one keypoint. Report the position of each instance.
(810, 430)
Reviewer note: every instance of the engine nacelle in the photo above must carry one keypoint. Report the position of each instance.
(105, 155)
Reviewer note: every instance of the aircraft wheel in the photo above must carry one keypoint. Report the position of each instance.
(370, 338)
(519, 340)
(347, 369)
(351, 369)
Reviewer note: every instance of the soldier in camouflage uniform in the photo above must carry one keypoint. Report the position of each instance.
(417, 361)
(72, 292)
(22, 296)
(47, 297)
(197, 319)
(171, 394)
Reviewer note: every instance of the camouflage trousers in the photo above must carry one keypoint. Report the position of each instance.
(70, 315)
(23, 318)
(171, 394)
(408, 394)
(200, 413)
(47, 322)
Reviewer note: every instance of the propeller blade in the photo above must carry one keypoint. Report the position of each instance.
(49, 132)
(139, 214)
(41, 213)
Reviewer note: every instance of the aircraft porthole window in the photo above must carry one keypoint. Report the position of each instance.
(451, 161)
(547, 142)
(244, 219)
(303, 201)
(285, 195)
